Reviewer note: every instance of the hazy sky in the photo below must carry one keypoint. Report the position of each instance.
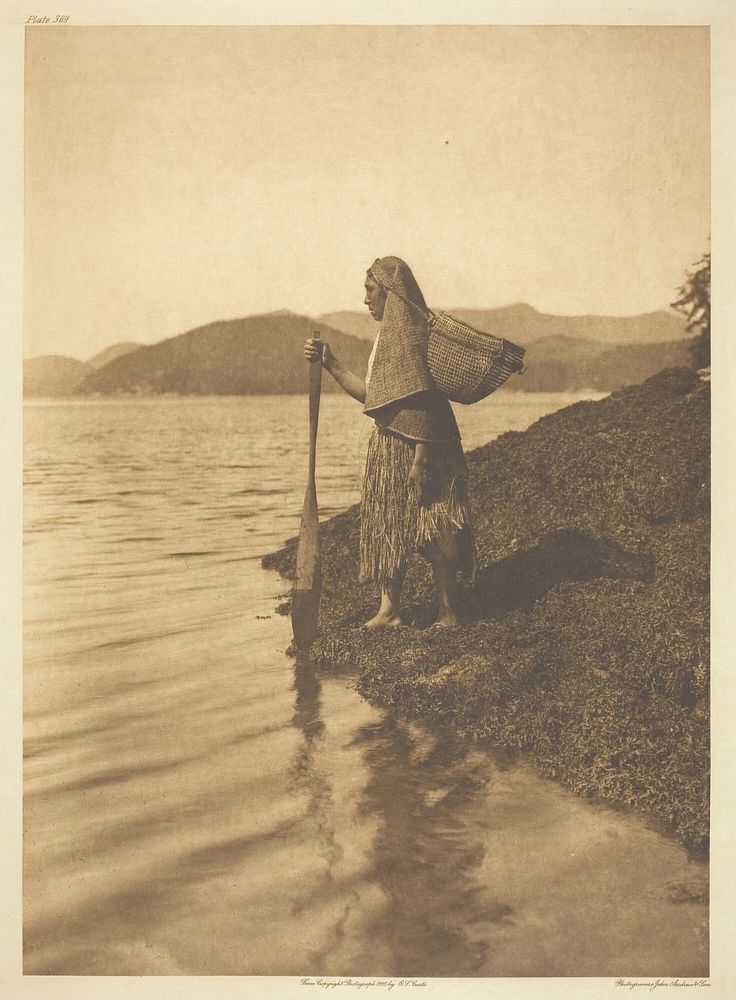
(175, 176)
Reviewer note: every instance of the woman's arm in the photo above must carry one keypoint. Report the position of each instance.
(347, 380)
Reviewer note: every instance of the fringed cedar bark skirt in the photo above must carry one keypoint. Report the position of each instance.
(393, 525)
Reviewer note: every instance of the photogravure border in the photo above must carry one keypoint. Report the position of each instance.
(723, 50)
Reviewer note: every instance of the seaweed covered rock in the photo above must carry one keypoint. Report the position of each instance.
(585, 643)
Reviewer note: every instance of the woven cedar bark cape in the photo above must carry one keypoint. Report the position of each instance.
(402, 396)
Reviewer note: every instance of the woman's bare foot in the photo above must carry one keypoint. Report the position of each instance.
(382, 619)
(446, 620)
(389, 613)
(442, 554)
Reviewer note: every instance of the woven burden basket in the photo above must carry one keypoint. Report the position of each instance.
(466, 364)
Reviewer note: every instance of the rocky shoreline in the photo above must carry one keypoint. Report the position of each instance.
(585, 644)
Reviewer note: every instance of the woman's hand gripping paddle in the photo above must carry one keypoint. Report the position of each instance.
(307, 582)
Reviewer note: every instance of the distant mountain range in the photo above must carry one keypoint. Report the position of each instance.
(256, 355)
(524, 325)
(52, 375)
(556, 363)
(113, 352)
(263, 354)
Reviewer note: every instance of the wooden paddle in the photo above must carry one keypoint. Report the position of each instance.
(308, 580)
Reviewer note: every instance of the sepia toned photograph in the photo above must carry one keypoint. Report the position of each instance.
(366, 501)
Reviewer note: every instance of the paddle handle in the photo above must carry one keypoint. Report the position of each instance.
(315, 386)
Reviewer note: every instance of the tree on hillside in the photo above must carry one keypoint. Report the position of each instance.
(694, 301)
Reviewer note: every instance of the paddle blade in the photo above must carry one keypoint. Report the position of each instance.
(307, 582)
(304, 612)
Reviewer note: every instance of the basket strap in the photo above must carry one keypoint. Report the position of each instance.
(427, 316)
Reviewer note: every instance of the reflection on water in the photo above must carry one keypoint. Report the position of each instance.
(309, 776)
(425, 859)
(421, 858)
(198, 804)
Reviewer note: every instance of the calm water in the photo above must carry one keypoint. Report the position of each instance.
(195, 804)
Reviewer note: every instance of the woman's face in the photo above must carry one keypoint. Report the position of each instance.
(375, 298)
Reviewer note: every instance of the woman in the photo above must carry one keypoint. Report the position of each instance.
(415, 482)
